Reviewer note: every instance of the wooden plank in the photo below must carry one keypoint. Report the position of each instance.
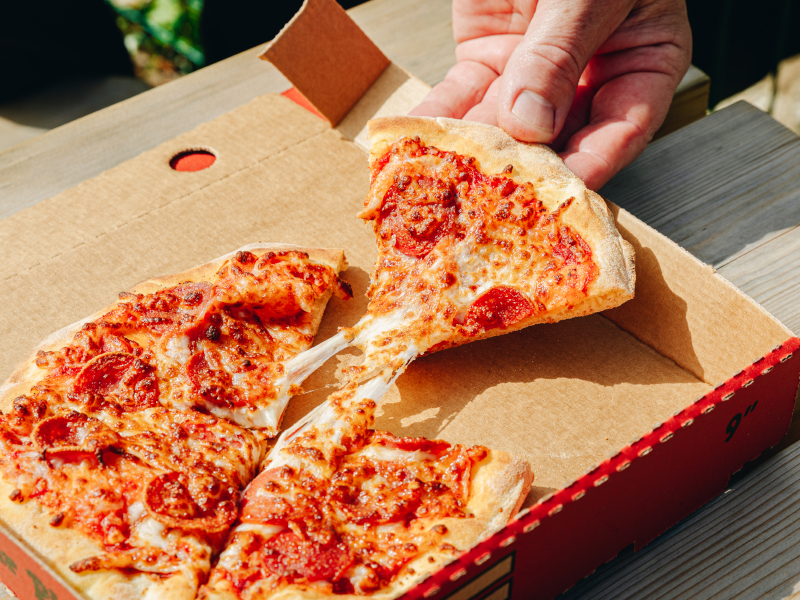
(720, 188)
(745, 543)
(731, 196)
(770, 274)
(66, 101)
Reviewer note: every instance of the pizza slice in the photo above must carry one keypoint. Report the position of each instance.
(478, 235)
(223, 334)
(341, 509)
(123, 446)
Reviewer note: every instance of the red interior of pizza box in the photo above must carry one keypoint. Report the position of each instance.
(630, 419)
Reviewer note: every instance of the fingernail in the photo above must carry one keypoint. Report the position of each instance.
(535, 111)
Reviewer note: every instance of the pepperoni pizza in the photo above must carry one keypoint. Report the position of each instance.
(477, 235)
(128, 439)
(123, 450)
(340, 509)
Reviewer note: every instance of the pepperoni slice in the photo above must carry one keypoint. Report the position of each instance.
(571, 248)
(72, 433)
(286, 554)
(196, 503)
(418, 213)
(407, 444)
(127, 378)
(116, 343)
(176, 306)
(500, 307)
(263, 502)
(213, 385)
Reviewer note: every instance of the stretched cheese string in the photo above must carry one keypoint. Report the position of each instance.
(364, 335)
(374, 389)
(327, 415)
(305, 363)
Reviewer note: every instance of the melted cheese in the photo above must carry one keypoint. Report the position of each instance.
(383, 453)
(177, 348)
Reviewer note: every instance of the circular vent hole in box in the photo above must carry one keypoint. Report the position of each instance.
(192, 160)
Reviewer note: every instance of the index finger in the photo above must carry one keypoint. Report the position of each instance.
(625, 114)
(463, 87)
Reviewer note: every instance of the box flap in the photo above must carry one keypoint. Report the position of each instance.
(327, 57)
(687, 312)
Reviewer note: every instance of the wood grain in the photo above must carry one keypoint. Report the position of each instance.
(720, 187)
(728, 190)
(745, 543)
(61, 103)
(770, 274)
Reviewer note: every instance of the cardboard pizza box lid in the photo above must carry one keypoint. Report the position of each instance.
(624, 416)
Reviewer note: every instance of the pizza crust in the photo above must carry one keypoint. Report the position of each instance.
(60, 547)
(588, 214)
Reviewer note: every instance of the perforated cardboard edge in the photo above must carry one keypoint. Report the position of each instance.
(316, 51)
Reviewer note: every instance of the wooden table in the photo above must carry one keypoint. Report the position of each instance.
(727, 188)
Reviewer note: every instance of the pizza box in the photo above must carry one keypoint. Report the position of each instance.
(631, 419)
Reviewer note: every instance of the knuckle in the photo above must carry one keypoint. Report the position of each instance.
(564, 62)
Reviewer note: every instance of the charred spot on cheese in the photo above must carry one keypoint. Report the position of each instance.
(244, 257)
(212, 333)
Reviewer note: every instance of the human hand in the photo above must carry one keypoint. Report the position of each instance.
(592, 78)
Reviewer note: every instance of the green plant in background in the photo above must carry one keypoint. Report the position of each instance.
(162, 37)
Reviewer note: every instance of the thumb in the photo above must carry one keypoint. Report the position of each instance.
(539, 82)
